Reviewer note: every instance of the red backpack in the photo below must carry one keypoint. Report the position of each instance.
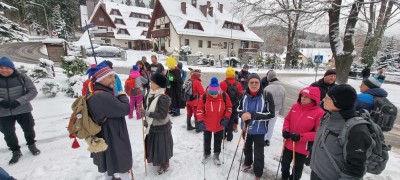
(129, 85)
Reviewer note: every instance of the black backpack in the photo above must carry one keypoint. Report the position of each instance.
(233, 93)
(384, 113)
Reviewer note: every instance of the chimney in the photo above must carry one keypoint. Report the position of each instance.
(194, 3)
(221, 8)
(203, 9)
(208, 3)
(183, 7)
(210, 11)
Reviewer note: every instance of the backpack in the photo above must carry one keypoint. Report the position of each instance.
(129, 86)
(233, 93)
(81, 124)
(384, 113)
(376, 161)
(188, 91)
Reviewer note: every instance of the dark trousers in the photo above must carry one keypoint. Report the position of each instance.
(298, 167)
(258, 141)
(217, 142)
(314, 176)
(7, 127)
(229, 128)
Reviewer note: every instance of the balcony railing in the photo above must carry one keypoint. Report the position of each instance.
(107, 34)
(244, 50)
(157, 33)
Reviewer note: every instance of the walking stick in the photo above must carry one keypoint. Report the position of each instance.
(144, 141)
(234, 155)
(244, 144)
(223, 146)
(294, 160)
(132, 174)
(280, 159)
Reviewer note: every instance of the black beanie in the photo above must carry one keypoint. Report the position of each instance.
(330, 72)
(343, 96)
(159, 79)
(253, 75)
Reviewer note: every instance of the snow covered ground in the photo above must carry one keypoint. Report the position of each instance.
(59, 161)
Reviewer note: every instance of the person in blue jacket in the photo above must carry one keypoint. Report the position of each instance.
(255, 110)
(370, 88)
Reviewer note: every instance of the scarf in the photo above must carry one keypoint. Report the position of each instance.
(152, 107)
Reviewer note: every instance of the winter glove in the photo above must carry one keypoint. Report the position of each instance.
(286, 134)
(5, 104)
(14, 104)
(295, 137)
(224, 122)
(202, 126)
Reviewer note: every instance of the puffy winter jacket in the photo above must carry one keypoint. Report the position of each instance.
(261, 107)
(303, 119)
(213, 111)
(365, 100)
(197, 89)
(323, 88)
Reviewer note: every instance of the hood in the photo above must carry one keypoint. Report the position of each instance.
(134, 74)
(193, 76)
(311, 92)
(377, 92)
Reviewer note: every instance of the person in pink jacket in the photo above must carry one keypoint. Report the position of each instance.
(299, 127)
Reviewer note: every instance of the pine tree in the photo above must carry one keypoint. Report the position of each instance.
(152, 3)
(137, 3)
(128, 2)
(57, 21)
(9, 31)
(142, 4)
(388, 58)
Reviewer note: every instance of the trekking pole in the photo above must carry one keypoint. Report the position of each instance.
(244, 144)
(294, 160)
(280, 159)
(234, 155)
(223, 146)
(144, 141)
(132, 174)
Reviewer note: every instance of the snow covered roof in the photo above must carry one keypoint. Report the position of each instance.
(84, 15)
(212, 25)
(53, 41)
(130, 23)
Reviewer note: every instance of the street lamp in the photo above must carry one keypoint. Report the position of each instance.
(45, 15)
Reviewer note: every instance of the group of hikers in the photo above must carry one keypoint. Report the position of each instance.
(318, 115)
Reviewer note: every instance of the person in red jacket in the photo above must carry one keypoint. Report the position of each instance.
(233, 88)
(191, 105)
(299, 127)
(213, 112)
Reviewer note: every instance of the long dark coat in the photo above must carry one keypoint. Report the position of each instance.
(174, 88)
(118, 156)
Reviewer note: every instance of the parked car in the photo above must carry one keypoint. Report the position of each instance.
(77, 46)
(106, 51)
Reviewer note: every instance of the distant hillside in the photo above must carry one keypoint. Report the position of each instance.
(275, 38)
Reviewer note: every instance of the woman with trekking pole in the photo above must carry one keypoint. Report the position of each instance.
(158, 141)
(299, 127)
(255, 110)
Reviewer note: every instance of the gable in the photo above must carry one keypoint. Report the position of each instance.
(101, 17)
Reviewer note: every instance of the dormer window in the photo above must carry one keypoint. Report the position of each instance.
(144, 33)
(123, 31)
(143, 24)
(115, 12)
(119, 21)
(232, 25)
(193, 25)
(138, 15)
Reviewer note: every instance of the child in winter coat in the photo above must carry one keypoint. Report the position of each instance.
(213, 111)
(299, 127)
(134, 89)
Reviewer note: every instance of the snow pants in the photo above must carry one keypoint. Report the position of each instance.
(7, 127)
(191, 110)
(258, 141)
(136, 103)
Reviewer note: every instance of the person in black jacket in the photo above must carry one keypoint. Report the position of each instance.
(366, 72)
(174, 87)
(325, 83)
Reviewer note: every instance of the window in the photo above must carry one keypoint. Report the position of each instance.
(106, 40)
(208, 44)
(158, 27)
(200, 43)
(166, 25)
(141, 16)
(244, 44)
(231, 46)
(119, 21)
(115, 12)
(101, 19)
(123, 31)
(144, 33)
(143, 24)
(193, 25)
(186, 42)
(232, 25)
(225, 45)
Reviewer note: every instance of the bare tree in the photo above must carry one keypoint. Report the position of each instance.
(290, 14)
(343, 51)
(376, 28)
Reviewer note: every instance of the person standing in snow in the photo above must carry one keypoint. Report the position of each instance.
(144, 67)
(156, 67)
(134, 89)
(159, 142)
(191, 104)
(339, 102)
(174, 87)
(235, 92)
(243, 75)
(109, 110)
(118, 84)
(299, 127)
(16, 92)
(214, 111)
(325, 83)
(278, 93)
(255, 110)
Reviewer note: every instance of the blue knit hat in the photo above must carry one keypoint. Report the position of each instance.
(135, 68)
(5, 62)
(213, 88)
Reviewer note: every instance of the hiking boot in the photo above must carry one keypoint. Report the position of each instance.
(15, 157)
(160, 170)
(216, 159)
(189, 124)
(266, 143)
(205, 159)
(35, 151)
(175, 114)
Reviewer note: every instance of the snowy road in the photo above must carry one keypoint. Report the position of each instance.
(26, 52)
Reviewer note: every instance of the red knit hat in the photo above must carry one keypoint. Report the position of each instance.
(102, 73)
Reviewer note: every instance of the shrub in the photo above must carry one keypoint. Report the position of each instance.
(50, 88)
(72, 66)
